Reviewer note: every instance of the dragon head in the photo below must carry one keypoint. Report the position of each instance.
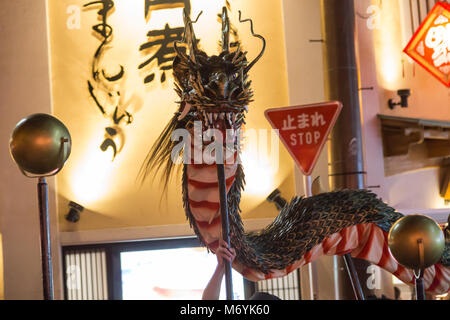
(214, 90)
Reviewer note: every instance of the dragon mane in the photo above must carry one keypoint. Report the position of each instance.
(196, 84)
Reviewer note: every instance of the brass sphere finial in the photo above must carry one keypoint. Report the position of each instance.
(40, 144)
(416, 242)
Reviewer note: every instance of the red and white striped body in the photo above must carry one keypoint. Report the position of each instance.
(203, 195)
(364, 241)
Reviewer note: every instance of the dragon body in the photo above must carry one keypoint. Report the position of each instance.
(214, 93)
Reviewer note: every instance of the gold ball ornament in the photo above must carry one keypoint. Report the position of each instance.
(406, 234)
(40, 144)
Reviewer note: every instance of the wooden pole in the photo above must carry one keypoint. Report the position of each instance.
(225, 226)
(46, 255)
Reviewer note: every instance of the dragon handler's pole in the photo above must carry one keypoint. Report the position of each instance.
(225, 226)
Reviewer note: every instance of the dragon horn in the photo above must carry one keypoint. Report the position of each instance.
(189, 35)
(179, 53)
(256, 36)
(225, 30)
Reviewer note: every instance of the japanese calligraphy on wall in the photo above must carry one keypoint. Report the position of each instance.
(159, 46)
(430, 45)
(104, 87)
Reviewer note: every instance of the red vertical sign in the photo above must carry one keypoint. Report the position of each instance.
(304, 130)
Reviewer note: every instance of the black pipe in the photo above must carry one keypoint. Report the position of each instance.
(342, 84)
(345, 151)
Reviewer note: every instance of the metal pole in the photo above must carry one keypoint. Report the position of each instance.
(225, 226)
(420, 289)
(312, 266)
(46, 255)
(356, 285)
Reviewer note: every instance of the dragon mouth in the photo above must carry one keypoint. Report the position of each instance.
(221, 118)
(228, 123)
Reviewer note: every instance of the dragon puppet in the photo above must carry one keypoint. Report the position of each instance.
(214, 94)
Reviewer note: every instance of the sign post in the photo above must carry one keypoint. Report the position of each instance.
(304, 131)
(312, 268)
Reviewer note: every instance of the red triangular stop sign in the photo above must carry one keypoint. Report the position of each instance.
(304, 130)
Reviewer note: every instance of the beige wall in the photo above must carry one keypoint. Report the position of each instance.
(24, 86)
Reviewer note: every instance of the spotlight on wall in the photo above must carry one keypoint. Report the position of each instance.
(277, 199)
(74, 212)
(403, 94)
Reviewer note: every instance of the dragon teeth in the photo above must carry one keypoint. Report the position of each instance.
(210, 117)
(229, 118)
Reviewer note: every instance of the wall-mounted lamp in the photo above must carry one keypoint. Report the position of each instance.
(276, 198)
(403, 94)
(74, 212)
